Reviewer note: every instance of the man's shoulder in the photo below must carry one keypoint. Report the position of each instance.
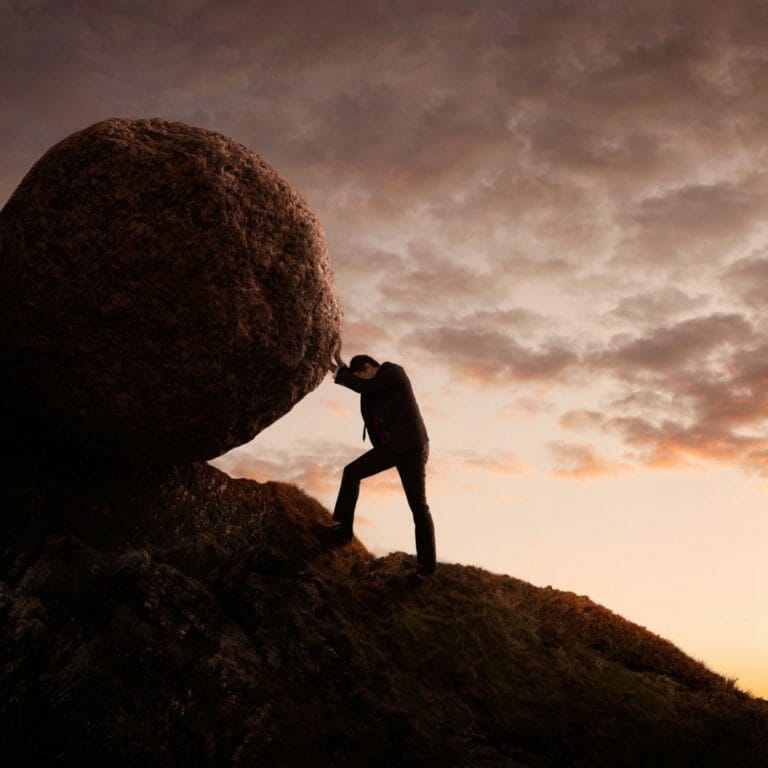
(392, 369)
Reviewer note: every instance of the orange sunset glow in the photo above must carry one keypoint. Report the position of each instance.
(553, 214)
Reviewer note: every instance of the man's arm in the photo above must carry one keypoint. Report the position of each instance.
(388, 377)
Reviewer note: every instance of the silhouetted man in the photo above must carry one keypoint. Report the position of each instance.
(399, 438)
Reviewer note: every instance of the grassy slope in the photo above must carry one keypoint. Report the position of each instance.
(230, 636)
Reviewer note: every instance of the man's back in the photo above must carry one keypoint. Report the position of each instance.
(388, 405)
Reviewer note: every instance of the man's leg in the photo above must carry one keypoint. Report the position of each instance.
(412, 468)
(371, 463)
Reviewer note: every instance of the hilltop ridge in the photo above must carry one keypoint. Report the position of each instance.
(219, 630)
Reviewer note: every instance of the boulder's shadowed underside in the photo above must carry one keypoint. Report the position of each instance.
(164, 294)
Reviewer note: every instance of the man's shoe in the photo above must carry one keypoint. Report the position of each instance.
(417, 576)
(337, 534)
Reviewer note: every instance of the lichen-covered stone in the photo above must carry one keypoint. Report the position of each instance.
(164, 294)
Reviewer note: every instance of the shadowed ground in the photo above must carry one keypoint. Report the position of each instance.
(222, 632)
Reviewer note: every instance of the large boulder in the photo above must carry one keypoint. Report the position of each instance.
(164, 295)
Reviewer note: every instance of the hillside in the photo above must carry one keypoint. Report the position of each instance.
(190, 619)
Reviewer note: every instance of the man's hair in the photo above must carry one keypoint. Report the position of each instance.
(358, 362)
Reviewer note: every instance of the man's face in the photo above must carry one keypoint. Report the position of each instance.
(367, 372)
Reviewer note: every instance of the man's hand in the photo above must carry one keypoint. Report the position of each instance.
(330, 364)
(335, 360)
(337, 354)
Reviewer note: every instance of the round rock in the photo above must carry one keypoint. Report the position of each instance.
(164, 294)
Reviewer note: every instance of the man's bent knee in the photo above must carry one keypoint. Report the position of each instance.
(350, 473)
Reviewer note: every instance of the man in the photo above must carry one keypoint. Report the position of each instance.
(399, 438)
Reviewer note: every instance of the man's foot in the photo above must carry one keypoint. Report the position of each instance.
(417, 576)
(336, 534)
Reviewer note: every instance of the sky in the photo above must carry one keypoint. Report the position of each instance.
(551, 213)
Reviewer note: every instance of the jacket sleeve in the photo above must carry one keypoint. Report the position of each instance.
(388, 377)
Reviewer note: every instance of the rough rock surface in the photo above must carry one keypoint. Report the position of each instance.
(164, 294)
(228, 635)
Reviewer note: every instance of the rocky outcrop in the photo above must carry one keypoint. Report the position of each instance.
(231, 636)
(164, 295)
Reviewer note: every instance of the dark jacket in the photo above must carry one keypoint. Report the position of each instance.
(389, 408)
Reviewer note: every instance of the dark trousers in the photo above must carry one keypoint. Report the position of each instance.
(411, 467)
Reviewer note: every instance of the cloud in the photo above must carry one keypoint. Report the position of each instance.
(580, 420)
(697, 221)
(702, 395)
(529, 406)
(739, 398)
(362, 336)
(686, 394)
(748, 279)
(645, 400)
(670, 348)
(671, 444)
(315, 466)
(580, 461)
(653, 307)
(490, 356)
(506, 464)
(427, 281)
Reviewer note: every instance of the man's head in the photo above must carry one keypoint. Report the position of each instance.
(363, 366)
